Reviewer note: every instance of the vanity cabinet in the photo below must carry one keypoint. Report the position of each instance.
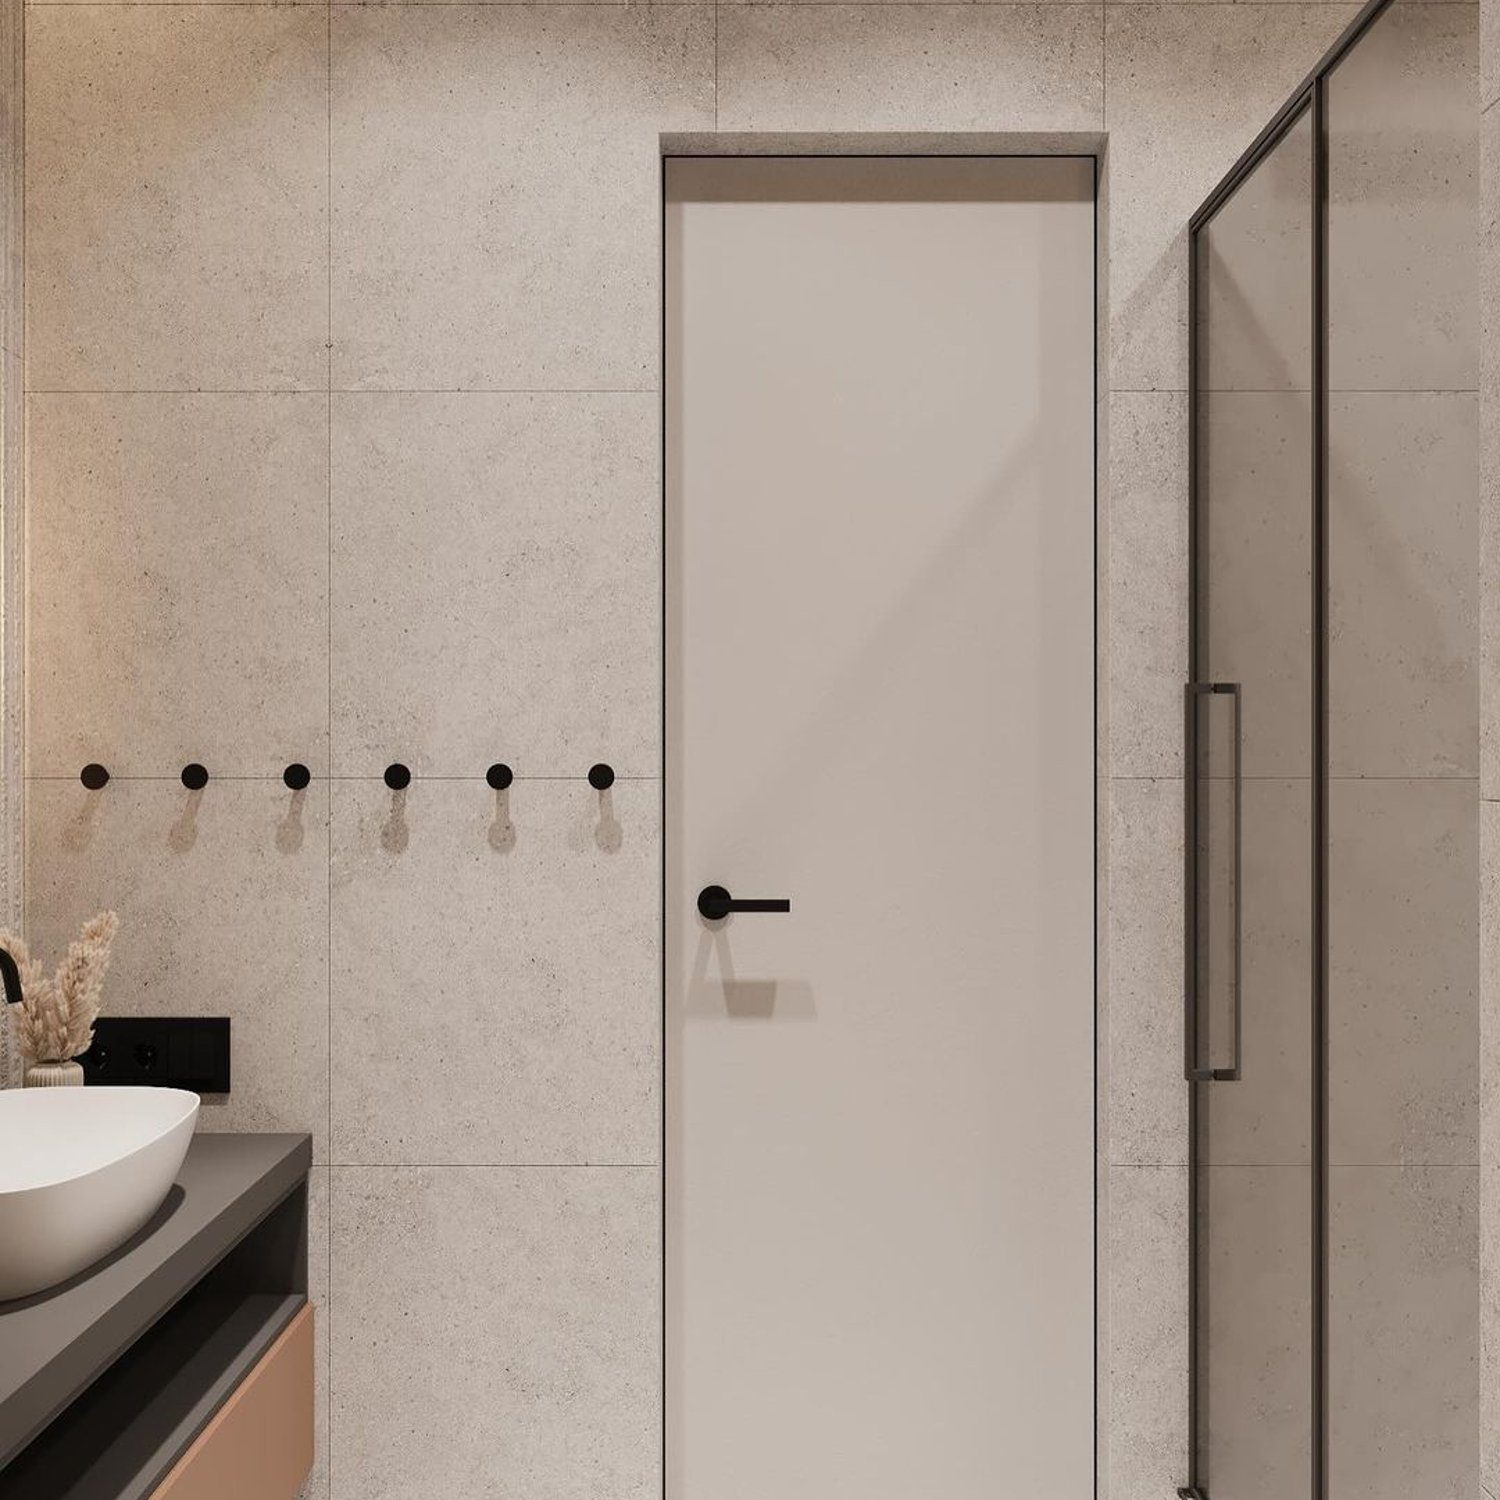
(259, 1444)
(181, 1366)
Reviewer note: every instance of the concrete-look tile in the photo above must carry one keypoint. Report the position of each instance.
(1489, 986)
(1403, 168)
(1403, 1292)
(178, 583)
(1403, 962)
(1266, 1117)
(1188, 87)
(523, 1359)
(1403, 584)
(918, 67)
(176, 197)
(1489, 52)
(1489, 1324)
(496, 583)
(1147, 603)
(1256, 1353)
(1147, 1301)
(1489, 453)
(512, 240)
(223, 903)
(1147, 1095)
(1256, 531)
(316, 1487)
(531, 1007)
(1255, 284)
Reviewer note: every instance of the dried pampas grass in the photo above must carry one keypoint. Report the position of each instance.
(55, 1019)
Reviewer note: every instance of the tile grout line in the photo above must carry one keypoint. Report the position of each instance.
(1295, 1166)
(275, 777)
(330, 389)
(328, 752)
(957, 5)
(490, 1166)
(1118, 390)
(1341, 780)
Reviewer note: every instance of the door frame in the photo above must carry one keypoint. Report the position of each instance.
(734, 145)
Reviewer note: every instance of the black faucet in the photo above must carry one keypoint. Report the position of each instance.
(10, 977)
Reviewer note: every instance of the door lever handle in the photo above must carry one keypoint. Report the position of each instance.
(715, 903)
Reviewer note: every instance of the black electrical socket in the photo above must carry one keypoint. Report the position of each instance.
(180, 1052)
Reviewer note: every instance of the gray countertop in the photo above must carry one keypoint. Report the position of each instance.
(54, 1344)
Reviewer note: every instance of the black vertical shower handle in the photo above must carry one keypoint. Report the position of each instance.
(1194, 1069)
(715, 903)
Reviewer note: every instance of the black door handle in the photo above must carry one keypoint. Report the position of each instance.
(715, 903)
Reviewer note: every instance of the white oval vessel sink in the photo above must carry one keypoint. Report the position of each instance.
(81, 1169)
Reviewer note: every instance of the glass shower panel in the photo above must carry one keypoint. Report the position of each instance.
(1250, 856)
(1403, 743)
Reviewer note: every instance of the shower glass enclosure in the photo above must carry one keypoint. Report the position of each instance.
(1332, 742)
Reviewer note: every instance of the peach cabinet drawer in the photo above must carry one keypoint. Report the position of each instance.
(259, 1444)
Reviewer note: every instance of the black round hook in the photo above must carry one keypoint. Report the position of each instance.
(499, 776)
(601, 777)
(397, 776)
(297, 776)
(94, 776)
(194, 776)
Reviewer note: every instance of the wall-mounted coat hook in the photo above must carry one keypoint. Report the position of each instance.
(194, 776)
(601, 777)
(297, 776)
(397, 776)
(499, 776)
(94, 776)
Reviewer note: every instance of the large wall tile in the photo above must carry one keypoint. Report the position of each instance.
(177, 590)
(1147, 603)
(497, 990)
(1403, 565)
(1489, 448)
(1489, 1147)
(1187, 88)
(1403, 162)
(318, 1266)
(1256, 521)
(223, 903)
(917, 67)
(1489, 991)
(1403, 1340)
(512, 241)
(1403, 918)
(496, 582)
(1147, 1096)
(1256, 1294)
(1265, 1119)
(1147, 1310)
(176, 196)
(1489, 1325)
(497, 1332)
(1489, 53)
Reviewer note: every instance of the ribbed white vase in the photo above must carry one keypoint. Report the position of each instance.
(53, 1075)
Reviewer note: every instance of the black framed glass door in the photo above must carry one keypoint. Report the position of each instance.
(1332, 783)
(1250, 710)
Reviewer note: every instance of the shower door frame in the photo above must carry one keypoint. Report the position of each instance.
(1310, 97)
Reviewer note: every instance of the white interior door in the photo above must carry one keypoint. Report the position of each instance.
(880, 680)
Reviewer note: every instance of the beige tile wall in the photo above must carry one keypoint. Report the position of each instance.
(342, 352)
(12, 425)
(1489, 753)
